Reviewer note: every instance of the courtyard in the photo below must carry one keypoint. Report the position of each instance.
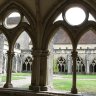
(86, 84)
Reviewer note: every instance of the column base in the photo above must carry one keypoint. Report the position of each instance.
(74, 90)
(8, 85)
(43, 88)
(34, 88)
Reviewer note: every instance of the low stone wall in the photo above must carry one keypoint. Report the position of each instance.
(14, 92)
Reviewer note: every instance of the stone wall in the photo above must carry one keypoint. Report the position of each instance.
(86, 55)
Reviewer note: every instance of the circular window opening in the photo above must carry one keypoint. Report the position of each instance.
(75, 16)
(12, 20)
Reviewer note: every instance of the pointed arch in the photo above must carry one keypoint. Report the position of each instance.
(28, 62)
(16, 5)
(61, 5)
(85, 28)
(24, 35)
(62, 65)
(28, 32)
(88, 38)
(61, 37)
(54, 28)
(61, 60)
(80, 60)
(87, 43)
(24, 50)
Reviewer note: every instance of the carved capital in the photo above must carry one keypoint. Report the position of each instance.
(74, 54)
(45, 53)
(40, 53)
(10, 53)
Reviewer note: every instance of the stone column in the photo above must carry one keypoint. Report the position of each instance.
(43, 70)
(35, 77)
(9, 70)
(5, 64)
(87, 69)
(16, 64)
(74, 57)
(69, 64)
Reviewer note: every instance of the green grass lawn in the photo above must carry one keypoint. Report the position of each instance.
(83, 83)
(15, 76)
(64, 82)
(21, 74)
(86, 86)
(79, 76)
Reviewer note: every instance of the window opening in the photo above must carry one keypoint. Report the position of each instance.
(4, 47)
(60, 48)
(91, 18)
(80, 65)
(12, 20)
(75, 16)
(91, 68)
(28, 63)
(59, 18)
(87, 58)
(62, 66)
(21, 68)
(94, 66)
(25, 20)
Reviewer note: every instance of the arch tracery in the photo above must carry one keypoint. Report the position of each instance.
(73, 33)
(13, 20)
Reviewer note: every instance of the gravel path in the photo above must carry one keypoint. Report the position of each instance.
(22, 82)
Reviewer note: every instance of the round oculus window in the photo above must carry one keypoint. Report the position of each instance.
(75, 16)
(12, 20)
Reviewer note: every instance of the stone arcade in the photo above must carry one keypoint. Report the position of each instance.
(39, 19)
(22, 59)
(86, 60)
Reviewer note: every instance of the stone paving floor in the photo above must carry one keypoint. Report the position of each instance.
(88, 94)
